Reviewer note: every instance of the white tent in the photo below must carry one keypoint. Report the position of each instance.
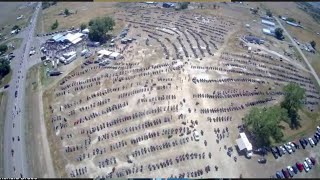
(104, 52)
(243, 142)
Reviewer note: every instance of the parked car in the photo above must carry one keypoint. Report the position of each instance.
(309, 162)
(288, 148)
(279, 175)
(311, 142)
(318, 129)
(295, 169)
(262, 160)
(292, 146)
(290, 170)
(282, 150)
(296, 145)
(305, 166)
(6, 86)
(313, 160)
(314, 140)
(285, 173)
(302, 143)
(278, 150)
(299, 166)
(274, 152)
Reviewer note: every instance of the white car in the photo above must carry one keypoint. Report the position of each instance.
(309, 162)
(288, 148)
(306, 167)
(292, 146)
(311, 142)
(196, 135)
(318, 129)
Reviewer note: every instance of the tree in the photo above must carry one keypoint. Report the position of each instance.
(55, 25)
(99, 27)
(184, 5)
(3, 48)
(269, 13)
(263, 124)
(4, 67)
(15, 27)
(66, 12)
(293, 101)
(313, 44)
(291, 19)
(278, 33)
(83, 26)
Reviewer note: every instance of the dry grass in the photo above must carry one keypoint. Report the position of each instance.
(3, 102)
(83, 13)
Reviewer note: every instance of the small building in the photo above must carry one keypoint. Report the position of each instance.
(268, 23)
(57, 37)
(267, 31)
(253, 39)
(115, 56)
(292, 24)
(244, 144)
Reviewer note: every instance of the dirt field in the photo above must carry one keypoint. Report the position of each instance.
(148, 87)
(3, 102)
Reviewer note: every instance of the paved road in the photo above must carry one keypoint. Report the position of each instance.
(15, 162)
(299, 50)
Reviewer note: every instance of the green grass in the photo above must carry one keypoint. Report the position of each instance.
(3, 101)
(6, 79)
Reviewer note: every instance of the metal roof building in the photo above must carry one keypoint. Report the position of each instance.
(268, 23)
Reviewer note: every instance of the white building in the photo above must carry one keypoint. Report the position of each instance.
(268, 23)
(115, 56)
(269, 32)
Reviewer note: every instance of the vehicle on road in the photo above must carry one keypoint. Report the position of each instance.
(6, 86)
(16, 94)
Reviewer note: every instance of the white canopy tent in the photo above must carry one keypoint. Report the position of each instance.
(243, 143)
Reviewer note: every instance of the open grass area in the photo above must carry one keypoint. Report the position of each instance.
(6, 79)
(9, 13)
(81, 13)
(3, 102)
(309, 121)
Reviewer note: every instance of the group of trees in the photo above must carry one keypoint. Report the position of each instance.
(264, 123)
(279, 33)
(99, 27)
(55, 25)
(3, 48)
(4, 67)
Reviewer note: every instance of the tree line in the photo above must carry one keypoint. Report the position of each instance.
(264, 123)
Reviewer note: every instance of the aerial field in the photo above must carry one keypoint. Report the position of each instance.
(187, 72)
